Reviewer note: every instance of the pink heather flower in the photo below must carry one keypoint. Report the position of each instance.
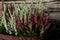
(35, 19)
(18, 23)
(7, 18)
(31, 19)
(43, 14)
(11, 7)
(43, 17)
(47, 19)
(30, 23)
(35, 15)
(39, 23)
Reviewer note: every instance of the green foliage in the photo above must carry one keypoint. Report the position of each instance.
(2, 29)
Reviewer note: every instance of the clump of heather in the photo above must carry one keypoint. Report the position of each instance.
(23, 20)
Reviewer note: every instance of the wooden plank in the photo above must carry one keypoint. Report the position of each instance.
(0, 7)
(21, 2)
(55, 15)
(53, 5)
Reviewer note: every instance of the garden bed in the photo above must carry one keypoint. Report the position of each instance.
(20, 22)
(9, 37)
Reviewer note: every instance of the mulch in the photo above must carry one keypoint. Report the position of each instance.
(9, 37)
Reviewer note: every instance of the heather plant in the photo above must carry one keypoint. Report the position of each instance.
(21, 20)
